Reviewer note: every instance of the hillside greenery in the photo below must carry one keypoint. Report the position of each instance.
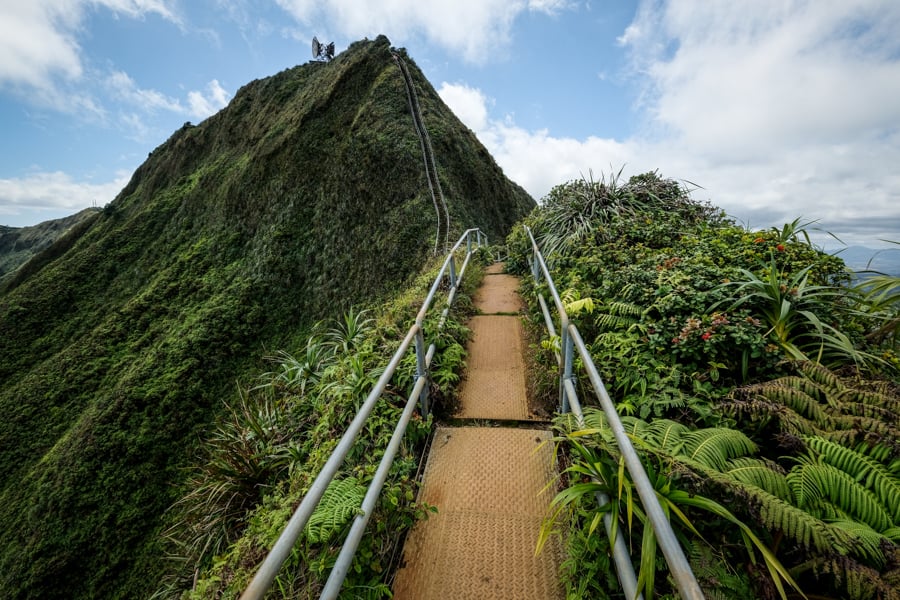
(121, 344)
(276, 435)
(19, 244)
(759, 386)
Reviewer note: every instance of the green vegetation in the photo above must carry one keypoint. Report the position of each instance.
(759, 387)
(275, 437)
(120, 344)
(19, 244)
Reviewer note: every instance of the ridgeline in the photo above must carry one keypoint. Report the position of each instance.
(306, 195)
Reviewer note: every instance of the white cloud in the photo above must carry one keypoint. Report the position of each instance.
(199, 105)
(467, 103)
(473, 28)
(779, 109)
(778, 114)
(38, 41)
(534, 159)
(550, 7)
(771, 74)
(202, 105)
(124, 88)
(53, 195)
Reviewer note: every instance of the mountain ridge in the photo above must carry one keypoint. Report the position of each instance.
(303, 197)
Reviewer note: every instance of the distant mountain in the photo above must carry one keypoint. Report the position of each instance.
(860, 258)
(19, 244)
(306, 195)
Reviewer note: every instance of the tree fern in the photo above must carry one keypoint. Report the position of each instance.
(620, 315)
(821, 375)
(875, 398)
(868, 471)
(798, 400)
(814, 483)
(821, 403)
(713, 447)
(867, 542)
(340, 502)
(761, 473)
(853, 579)
(666, 434)
(797, 524)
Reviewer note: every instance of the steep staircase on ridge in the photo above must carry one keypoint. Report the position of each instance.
(489, 484)
(431, 173)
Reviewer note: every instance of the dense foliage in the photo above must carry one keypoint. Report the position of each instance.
(278, 432)
(19, 244)
(760, 388)
(304, 197)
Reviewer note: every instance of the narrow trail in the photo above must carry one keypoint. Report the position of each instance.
(487, 482)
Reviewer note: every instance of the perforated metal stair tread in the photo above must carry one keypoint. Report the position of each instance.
(493, 385)
(498, 293)
(489, 484)
(489, 487)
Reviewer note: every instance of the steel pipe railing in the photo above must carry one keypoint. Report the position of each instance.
(570, 340)
(271, 565)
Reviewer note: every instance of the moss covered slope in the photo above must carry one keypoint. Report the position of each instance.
(304, 196)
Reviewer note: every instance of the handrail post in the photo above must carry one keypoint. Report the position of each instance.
(468, 244)
(567, 347)
(452, 272)
(422, 371)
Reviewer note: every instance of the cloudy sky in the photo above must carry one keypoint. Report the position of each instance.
(776, 109)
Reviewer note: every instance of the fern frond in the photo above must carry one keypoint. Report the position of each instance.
(340, 502)
(666, 435)
(635, 427)
(614, 322)
(713, 447)
(821, 375)
(807, 386)
(762, 473)
(874, 398)
(869, 411)
(758, 409)
(795, 399)
(853, 429)
(869, 472)
(849, 578)
(625, 309)
(814, 482)
(778, 515)
(866, 541)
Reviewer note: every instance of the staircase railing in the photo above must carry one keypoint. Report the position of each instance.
(570, 341)
(415, 337)
(431, 172)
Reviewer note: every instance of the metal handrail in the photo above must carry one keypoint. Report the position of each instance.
(268, 570)
(570, 340)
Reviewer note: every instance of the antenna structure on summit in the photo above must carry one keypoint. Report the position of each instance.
(322, 52)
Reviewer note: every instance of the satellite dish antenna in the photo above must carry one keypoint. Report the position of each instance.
(316, 48)
(320, 51)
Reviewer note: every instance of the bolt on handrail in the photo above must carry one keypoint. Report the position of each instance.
(270, 566)
(570, 340)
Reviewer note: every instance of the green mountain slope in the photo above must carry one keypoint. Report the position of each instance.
(306, 195)
(19, 244)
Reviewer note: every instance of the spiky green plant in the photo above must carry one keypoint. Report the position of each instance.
(794, 310)
(840, 504)
(598, 467)
(349, 332)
